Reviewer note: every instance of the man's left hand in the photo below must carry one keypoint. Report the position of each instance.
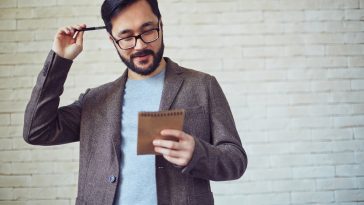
(180, 152)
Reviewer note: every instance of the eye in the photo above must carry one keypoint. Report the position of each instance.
(127, 39)
(148, 32)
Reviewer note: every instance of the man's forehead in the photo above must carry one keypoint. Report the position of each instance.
(130, 27)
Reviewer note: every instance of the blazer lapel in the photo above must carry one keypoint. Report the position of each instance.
(172, 84)
(114, 104)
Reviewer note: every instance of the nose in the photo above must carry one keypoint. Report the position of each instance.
(140, 45)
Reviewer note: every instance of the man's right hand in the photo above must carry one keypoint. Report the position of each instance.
(66, 44)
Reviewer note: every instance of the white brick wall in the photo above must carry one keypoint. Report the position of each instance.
(292, 70)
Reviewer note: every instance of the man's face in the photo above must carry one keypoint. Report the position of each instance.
(136, 19)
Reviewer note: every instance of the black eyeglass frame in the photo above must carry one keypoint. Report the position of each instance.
(136, 38)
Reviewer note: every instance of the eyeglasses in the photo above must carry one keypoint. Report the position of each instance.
(130, 42)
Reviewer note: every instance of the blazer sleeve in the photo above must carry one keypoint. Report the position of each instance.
(224, 158)
(44, 122)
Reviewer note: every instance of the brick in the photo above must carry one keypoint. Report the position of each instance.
(357, 84)
(313, 172)
(29, 24)
(66, 192)
(19, 82)
(242, 188)
(349, 121)
(8, 3)
(36, 46)
(35, 3)
(308, 98)
(359, 133)
(339, 4)
(286, 16)
(349, 195)
(313, 197)
(354, 37)
(51, 155)
(7, 13)
(293, 185)
(337, 85)
(333, 158)
(327, 62)
(66, 167)
(311, 122)
(57, 179)
(33, 168)
(356, 61)
(354, 14)
(6, 193)
(8, 47)
(15, 156)
(269, 174)
(335, 183)
(291, 5)
(323, 38)
(14, 181)
(12, 202)
(322, 15)
(289, 135)
(360, 182)
(5, 144)
(47, 202)
(345, 73)
(259, 5)
(4, 119)
(291, 160)
(345, 50)
(5, 169)
(7, 25)
(344, 146)
(349, 170)
(347, 97)
(15, 36)
(259, 162)
(332, 133)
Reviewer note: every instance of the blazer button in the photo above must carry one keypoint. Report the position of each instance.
(111, 179)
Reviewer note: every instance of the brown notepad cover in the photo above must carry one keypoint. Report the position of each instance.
(150, 124)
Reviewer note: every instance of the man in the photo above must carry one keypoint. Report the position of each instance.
(104, 119)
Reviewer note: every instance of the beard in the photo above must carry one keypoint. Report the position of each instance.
(157, 57)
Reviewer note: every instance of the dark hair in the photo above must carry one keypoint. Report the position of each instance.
(111, 8)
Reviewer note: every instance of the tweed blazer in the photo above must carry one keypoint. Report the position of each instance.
(95, 121)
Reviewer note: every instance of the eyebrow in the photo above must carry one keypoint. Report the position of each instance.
(126, 31)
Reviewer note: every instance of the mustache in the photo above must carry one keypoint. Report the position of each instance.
(142, 53)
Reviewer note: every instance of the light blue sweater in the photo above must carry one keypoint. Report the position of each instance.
(137, 173)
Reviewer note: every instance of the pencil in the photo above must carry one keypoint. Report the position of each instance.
(91, 28)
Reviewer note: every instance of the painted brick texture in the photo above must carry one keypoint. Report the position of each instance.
(292, 70)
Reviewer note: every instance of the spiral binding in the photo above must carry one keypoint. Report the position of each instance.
(162, 114)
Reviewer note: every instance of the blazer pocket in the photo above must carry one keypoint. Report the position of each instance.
(197, 122)
(205, 199)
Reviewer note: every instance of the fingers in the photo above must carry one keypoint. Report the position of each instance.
(168, 152)
(176, 133)
(167, 144)
(177, 161)
(79, 35)
(178, 153)
(71, 30)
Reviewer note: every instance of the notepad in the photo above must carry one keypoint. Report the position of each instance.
(150, 124)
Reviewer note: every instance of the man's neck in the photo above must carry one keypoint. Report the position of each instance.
(135, 76)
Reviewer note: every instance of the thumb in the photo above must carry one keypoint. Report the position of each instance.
(79, 38)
